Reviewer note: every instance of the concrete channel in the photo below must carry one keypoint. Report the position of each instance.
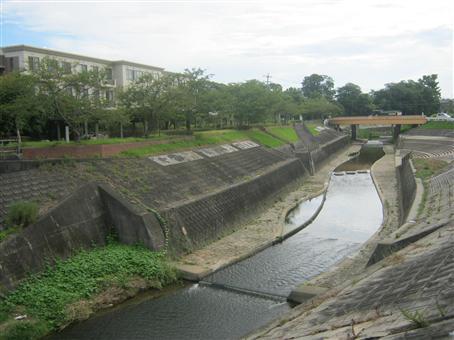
(244, 296)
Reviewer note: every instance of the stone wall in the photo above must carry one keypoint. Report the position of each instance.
(407, 184)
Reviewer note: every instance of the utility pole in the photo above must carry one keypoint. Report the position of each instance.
(268, 77)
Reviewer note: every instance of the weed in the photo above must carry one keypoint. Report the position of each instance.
(416, 318)
(45, 297)
(21, 214)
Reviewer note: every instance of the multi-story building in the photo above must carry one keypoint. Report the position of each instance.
(119, 73)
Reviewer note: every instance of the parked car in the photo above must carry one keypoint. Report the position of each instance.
(442, 116)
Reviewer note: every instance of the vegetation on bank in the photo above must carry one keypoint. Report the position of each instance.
(285, 132)
(426, 168)
(73, 289)
(438, 125)
(204, 138)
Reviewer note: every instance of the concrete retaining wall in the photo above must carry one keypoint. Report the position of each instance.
(407, 185)
(81, 221)
(132, 227)
(76, 223)
(205, 219)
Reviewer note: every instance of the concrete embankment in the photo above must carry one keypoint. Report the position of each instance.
(404, 292)
(182, 205)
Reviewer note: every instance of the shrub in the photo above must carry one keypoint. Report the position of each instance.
(21, 214)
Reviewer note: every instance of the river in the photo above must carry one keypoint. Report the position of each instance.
(245, 296)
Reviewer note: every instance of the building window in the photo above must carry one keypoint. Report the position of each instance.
(84, 93)
(52, 65)
(129, 74)
(95, 69)
(66, 67)
(108, 73)
(33, 63)
(83, 68)
(133, 74)
(109, 96)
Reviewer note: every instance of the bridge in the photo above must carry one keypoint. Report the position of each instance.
(395, 121)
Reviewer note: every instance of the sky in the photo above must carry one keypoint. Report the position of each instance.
(366, 42)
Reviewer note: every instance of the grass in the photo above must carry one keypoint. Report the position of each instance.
(426, 168)
(438, 125)
(46, 143)
(312, 125)
(417, 318)
(285, 132)
(204, 138)
(48, 299)
(5, 233)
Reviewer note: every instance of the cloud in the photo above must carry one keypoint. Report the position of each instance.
(367, 42)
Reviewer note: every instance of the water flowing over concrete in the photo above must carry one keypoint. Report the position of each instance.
(351, 213)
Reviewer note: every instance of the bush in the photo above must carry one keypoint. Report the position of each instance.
(21, 214)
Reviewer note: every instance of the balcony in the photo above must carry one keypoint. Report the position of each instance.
(110, 82)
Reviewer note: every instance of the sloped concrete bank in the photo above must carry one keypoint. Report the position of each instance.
(86, 216)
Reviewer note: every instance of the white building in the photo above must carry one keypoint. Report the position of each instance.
(119, 73)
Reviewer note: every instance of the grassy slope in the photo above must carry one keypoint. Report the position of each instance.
(207, 138)
(53, 298)
(285, 132)
(45, 143)
(311, 125)
(438, 125)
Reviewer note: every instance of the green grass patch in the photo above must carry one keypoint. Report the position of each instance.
(426, 168)
(438, 125)
(5, 233)
(285, 132)
(46, 143)
(312, 127)
(45, 297)
(204, 138)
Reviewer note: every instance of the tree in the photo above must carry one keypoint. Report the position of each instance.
(19, 105)
(252, 101)
(353, 100)
(410, 97)
(318, 108)
(316, 85)
(147, 99)
(192, 86)
(72, 97)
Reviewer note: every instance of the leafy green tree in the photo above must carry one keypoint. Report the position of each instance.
(353, 100)
(20, 107)
(410, 97)
(147, 99)
(193, 84)
(318, 108)
(316, 85)
(72, 97)
(251, 103)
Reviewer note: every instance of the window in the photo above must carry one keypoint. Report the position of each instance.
(129, 74)
(66, 67)
(108, 73)
(109, 96)
(83, 68)
(52, 65)
(33, 63)
(84, 93)
(133, 74)
(95, 69)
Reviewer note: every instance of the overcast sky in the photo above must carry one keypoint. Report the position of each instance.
(367, 42)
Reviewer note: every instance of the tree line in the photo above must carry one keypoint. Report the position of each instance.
(39, 103)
